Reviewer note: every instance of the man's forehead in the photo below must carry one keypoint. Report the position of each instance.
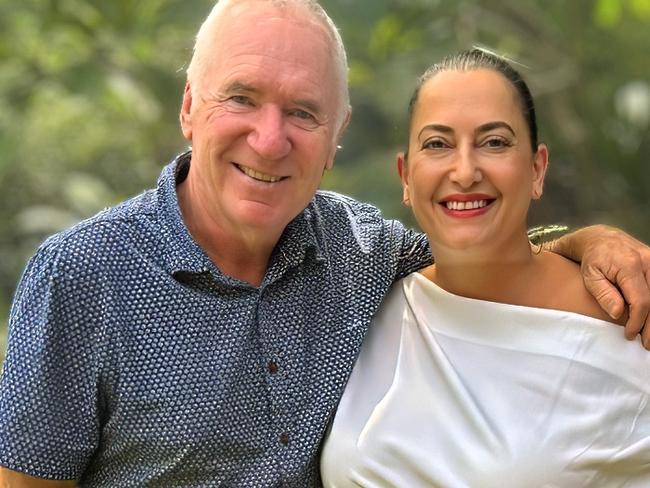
(274, 50)
(285, 52)
(272, 32)
(240, 13)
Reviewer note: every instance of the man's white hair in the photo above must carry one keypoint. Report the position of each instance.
(207, 37)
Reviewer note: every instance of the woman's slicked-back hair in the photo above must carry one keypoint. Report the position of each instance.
(475, 59)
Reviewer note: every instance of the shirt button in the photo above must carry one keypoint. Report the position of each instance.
(284, 438)
(273, 367)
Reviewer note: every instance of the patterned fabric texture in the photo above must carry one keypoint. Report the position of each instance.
(133, 361)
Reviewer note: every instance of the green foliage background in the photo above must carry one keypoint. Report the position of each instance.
(90, 91)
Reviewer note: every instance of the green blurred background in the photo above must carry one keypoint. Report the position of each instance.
(90, 91)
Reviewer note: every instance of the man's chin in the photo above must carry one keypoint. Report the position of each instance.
(263, 217)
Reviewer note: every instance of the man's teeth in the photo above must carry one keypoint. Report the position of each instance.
(453, 205)
(256, 175)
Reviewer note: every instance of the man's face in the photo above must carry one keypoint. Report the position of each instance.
(263, 119)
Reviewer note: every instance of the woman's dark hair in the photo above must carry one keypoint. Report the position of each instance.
(475, 59)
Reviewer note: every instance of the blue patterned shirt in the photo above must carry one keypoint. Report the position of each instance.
(133, 361)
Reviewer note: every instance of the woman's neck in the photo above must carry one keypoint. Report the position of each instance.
(500, 273)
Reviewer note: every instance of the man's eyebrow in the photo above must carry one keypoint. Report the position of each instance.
(239, 86)
(494, 125)
(436, 127)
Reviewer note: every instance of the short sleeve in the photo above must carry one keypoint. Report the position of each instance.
(49, 424)
(411, 249)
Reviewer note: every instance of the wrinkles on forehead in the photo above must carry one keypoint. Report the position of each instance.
(300, 12)
(298, 56)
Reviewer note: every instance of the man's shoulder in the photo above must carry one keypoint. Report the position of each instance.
(345, 222)
(348, 224)
(337, 200)
(332, 205)
(104, 234)
(120, 217)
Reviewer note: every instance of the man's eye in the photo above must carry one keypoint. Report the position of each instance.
(240, 99)
(303, 119)
(302, 114)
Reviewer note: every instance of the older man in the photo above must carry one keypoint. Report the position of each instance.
(201, 333)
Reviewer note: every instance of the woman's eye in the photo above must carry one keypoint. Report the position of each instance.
(434, 144)
(496, 142)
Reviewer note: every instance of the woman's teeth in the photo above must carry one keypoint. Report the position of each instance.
(454, 205)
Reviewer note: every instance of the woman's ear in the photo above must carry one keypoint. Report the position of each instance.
(402, 170)
(540, 164)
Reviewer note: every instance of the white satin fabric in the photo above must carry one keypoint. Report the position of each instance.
(455, 392)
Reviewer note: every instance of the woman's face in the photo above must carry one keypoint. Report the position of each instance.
(471, 171)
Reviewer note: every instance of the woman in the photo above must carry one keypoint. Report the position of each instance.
(493, 367)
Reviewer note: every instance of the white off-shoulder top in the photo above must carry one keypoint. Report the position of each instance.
(456, 392)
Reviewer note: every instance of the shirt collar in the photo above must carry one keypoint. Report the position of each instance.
(182, 253)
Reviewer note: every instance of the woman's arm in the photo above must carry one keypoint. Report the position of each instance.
(616, 270)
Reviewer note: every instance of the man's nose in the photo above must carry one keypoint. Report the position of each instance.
(465, 169)
(269, 137)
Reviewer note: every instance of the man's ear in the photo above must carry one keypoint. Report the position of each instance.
(339, 136)
(185, 115)
(402, 170)
(540, 165)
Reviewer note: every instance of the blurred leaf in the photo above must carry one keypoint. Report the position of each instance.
(44, 220)
(608, 13)
(86, 194)
(640, 8)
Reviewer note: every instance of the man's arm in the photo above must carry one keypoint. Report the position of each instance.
(616, 270)
(49, 417)
(14, 479)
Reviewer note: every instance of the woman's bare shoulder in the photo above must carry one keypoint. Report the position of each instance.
(567, 290)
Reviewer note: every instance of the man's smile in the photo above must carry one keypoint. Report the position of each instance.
(256, 175)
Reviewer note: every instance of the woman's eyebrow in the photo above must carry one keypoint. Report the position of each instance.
(494, 125)
(436, 127)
